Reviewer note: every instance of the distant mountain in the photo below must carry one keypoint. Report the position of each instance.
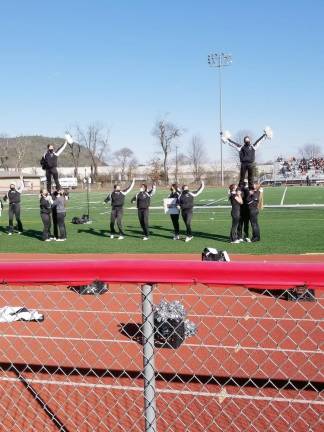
(35, 146)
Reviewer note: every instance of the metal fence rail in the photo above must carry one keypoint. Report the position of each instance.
(114, 361)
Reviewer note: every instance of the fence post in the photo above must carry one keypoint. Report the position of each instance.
(148, 358)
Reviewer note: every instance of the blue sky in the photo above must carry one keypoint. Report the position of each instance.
(125, 63)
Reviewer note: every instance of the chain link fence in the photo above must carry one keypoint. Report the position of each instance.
(160, 357)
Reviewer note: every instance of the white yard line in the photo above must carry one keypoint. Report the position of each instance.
(283, 196)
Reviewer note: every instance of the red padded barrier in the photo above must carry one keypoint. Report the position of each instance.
(250, 274)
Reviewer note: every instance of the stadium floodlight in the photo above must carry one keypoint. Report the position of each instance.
(220, 60)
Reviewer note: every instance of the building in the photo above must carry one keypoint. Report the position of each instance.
(31, 181)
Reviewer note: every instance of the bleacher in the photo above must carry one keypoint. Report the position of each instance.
(296, 171)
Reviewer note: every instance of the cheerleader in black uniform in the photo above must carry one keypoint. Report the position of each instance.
(255, 203)
(236, 201)
(175, 194)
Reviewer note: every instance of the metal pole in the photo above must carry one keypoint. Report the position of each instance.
(148, 358)
(176, 173)
(221, 120)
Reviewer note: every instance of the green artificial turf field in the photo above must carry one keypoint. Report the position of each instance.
(283, 230)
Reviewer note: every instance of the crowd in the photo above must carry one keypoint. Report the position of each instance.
(302, 166)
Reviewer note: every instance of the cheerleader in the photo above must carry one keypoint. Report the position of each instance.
(175, 194)
(235, 198)
(255, 203)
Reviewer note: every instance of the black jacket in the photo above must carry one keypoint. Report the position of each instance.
(143, 199)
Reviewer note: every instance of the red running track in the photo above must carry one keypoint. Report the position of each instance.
(247, 331)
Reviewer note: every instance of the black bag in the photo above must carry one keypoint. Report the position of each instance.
(43, 163)
(95, 288)
(76, 220)
(211, 254)
(170, 333)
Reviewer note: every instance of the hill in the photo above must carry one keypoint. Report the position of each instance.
(31, 149)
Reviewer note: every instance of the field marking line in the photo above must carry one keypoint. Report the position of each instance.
(124, 389)
(236, 347)
(283, 196)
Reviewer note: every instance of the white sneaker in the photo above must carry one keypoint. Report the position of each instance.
(112, 236)
(235, 242)
(247, 240)
(176, 237)
(145, 238)
(60, 239)
(188, 239)
(47, 240)
(9, 233)
(241, 240)
(121, 237)
(19, 232)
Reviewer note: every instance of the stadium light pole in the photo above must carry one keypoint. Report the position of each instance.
(220, 60)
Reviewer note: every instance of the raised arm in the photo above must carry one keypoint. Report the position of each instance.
(130, 187)
(61, 149)
(22, 186)
(199, 190)
(258, 141)
(152, 191)
(233, 144)
(107, 199)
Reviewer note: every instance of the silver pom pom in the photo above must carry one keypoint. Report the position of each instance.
(190, 328)
(174, 311)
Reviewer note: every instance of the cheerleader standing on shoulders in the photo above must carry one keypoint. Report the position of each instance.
(255, 203)
(235, 197)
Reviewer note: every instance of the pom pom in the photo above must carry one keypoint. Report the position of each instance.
(226, 135)
(68, 138)
(268, 132)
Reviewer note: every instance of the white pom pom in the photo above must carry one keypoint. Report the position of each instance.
(68, 138)
(226, 135)
(268, 132)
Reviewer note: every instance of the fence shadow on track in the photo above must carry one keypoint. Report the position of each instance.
(234, 381)
(44, 406)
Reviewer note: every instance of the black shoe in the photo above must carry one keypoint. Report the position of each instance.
(255, 240)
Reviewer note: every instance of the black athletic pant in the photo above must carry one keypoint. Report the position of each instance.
(116, 215)
(61, 225)
(143, 215)
(175, 223)
(187, 217)
(14, 211)
(49, 173)
(235, 223)
(54, 218)
(46, 219)
(244, 222)
(254, 212)
(250, 169)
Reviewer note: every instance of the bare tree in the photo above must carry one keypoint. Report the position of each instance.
(4, 152)
(123, 158)
(166, 133)
(96, 140)
(20, 151)
(310, 151)
(197, 156)
(155, 172)
(132, 165)
(75, 150)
